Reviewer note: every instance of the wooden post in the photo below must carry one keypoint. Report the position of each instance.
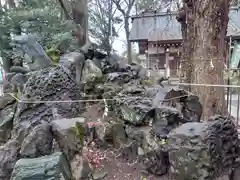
(167, 69)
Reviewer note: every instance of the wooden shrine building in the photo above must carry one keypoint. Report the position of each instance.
(159, 37)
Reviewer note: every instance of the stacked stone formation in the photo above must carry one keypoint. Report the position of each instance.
(166, 119)
(155, 158)
(195, 150)
(202, 150)
(134, 109)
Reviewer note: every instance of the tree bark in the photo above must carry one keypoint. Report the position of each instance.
(209, 29)
(80, 17)
(129, 45)
(110, 17)
(64, 9)
(186, 63)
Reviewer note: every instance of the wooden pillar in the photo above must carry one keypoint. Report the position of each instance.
(167, 68)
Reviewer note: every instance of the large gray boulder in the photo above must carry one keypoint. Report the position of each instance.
(111, 133)
(49, 167)
(135, 109)
(69, 58)
(203, 150)
(184, 101)
(119, 77)
(165, 119)
(147, 148)
(51, 84)
(80, 167)
(90, 72)
(38, 142)
(68, 140)
(137, 142)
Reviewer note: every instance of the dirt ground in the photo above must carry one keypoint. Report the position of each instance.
(110, 162)
(118, 169)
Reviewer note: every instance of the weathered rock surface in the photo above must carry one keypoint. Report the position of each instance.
(50, 167)
(38, 142)
(203, 150)
(9, 153)
(151, 150)
(115, 64)
(7, 111)
(165, 119)
(187, 103)
(111, 133)
(5, 100)
(155, 162)
(66, 136)
(80, 167)
(90, 72)
(51, 84)
(119, 77)
(135, 110)
(68, 59)
(137, 142)
(139, 71)
(192, 109)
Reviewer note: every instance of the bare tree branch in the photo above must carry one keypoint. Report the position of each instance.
(67, 15)
(117, 3)
(131, 3)
(120, 28)
(127, 2)
(126, 12)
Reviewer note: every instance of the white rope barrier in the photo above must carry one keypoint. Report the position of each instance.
(206, 85)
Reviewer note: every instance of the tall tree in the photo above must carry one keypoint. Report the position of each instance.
(102, 21)
(79, 15)
(206, 30)
(125, 7)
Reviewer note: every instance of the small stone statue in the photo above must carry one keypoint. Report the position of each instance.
(38, 57)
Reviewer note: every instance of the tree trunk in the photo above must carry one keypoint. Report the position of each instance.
(110, 17)
(129, 46)
(7, 53)
(209, 27)
(80, 17)
(64, 9)
(186, 63)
